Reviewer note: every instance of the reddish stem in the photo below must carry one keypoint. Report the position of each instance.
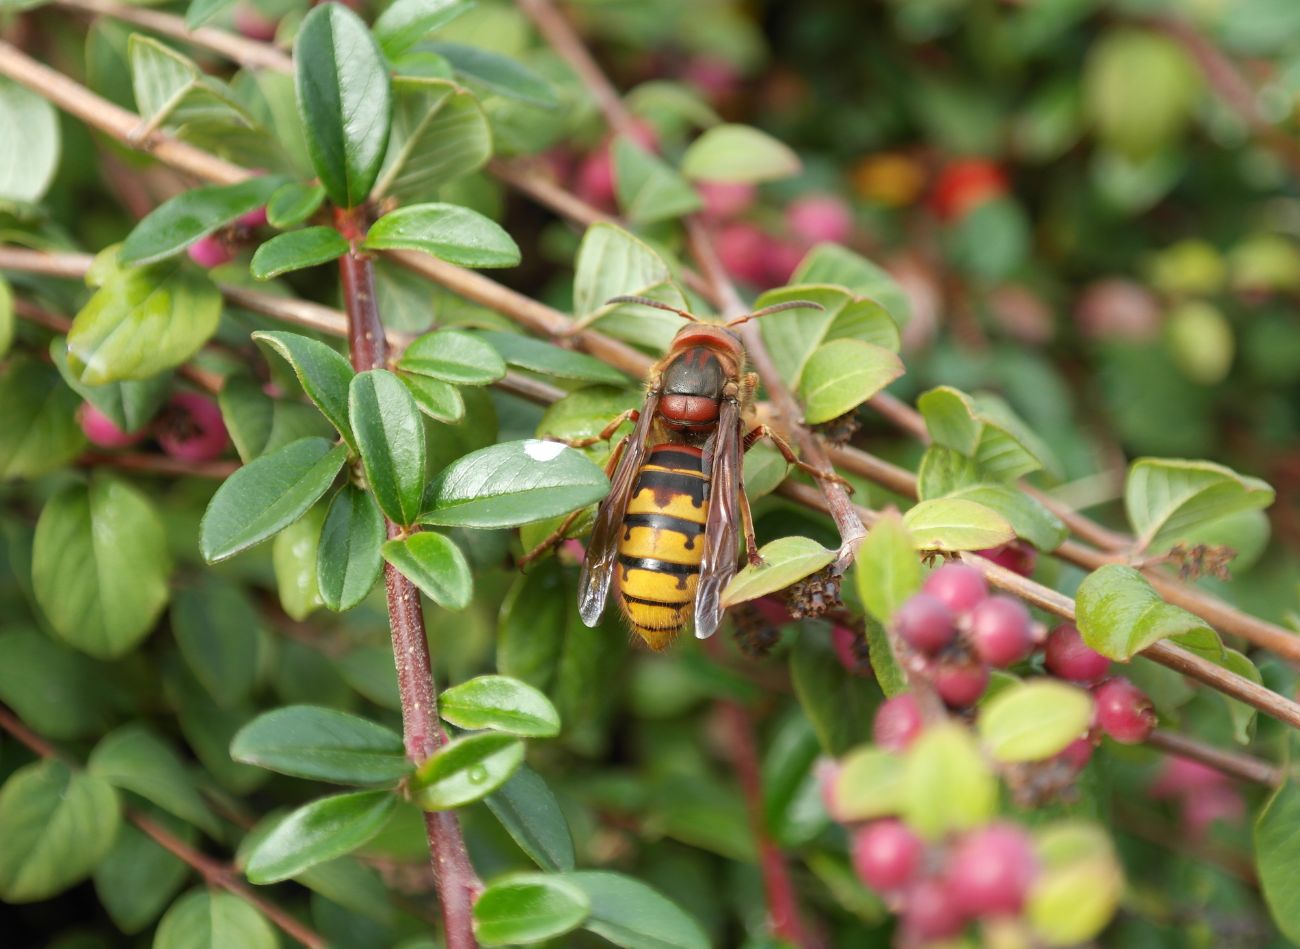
(456, 880)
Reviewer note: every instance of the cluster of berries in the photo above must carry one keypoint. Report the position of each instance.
(189, 428)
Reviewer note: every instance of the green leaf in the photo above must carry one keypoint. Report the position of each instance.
(984, 430)
(946, 784)
(1170, 500)
(177, 223)
(466, 769)
(1079, 884)
(531, 815)
(514, 483)
(219, 635)
(1119, 614)
(58, 692)
(440, 134)
(40, 433)
(437, 399)
(446, 231)
(1026, 515)
(319, 831)
(348, 560)
(201, 11)
(267, 495)
(453, 356)
(56, 825)
(322, 744)
(841, 375)
(170, 88)
(141, 322)
(524, 352)
(887, 569)
(344, 101)
(206, 917)
(293, 203)
(1127, 58)
(1277, 849)
(295, 250)
(6, 317)
(530, 634)
(435, 565)
(1243, 716)
(649, 189)
(956, 524)
(293, 556)
(738, 153)
(131, 405)
(135, 759)
(406, 22)
(325, 375)
(869, 785)
(612, 261)
(834, 264)
(833, 699)
(29, 153)
(100, 566)
(631, 914)
(528, 907)
(792, 337)
(1031, 721)
(502, 704)
(138, 878)
(502, 75)
(259, 424)
(785, 561)
(390, 437)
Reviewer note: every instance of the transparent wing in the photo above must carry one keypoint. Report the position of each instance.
(721, 530)
(602, 548)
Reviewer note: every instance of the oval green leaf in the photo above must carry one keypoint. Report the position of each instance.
(842, 374)
(956, 524)
(526, 908)
(390, 437)
(514, 483)
(319, 831)
(528, 810)
(633, 915)
(947, 786)
(439, 400)
(435, 565)
(324, 374)
(785, 561)
(465, 770)
(453, 356)
(322, 744)
(446, 231)
(501, 704)
(207, 917)
(180, 221)
(738, 153)
(869, 785)
(1170, 499)
(267, 495)
(293, 203)
(887, 568)
(1277, 850)
(1031, 721)
(524, 352)
(348, 559)
(406, 22)
(295, 250)
(1119, 614)
(136, 759)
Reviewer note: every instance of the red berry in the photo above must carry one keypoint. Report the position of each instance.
(960, 586)
(887, 855)
(780, 260)
(742, 248)
(715, 77)
(845, 642)
(898, 721)
(820, 217)
(253, 219)
(991, 870)
(1067, 656)
(1183, 777)
(595, 179)
(1017, 556)
(925, 624)
(251, 22)
(963, 185)
(1207, 807)
(930, 913)
(192, 429)
(1001, 631)
(209, 252)
(101, 430)
(1123, 711)
(960, 682)
(725, 199)
(1077, 753)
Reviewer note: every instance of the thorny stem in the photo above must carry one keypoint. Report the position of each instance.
(456, 881)
(214, 872)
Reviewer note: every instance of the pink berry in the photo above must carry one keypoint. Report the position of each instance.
(253, 219)
(780, 260)
(252, 23)
(192, 429)
(101, 430)
(773, 611)
(991, 870)
(960, 586)
(1067, 656)
(846, 644)
(715, 77)
(1001, 631)
(960, 682)
(820, 217)
(742, 249)
(725, 199)
(930, 913)
(887, 855)
(209, 252)
(1077, 753)
(1123, 711)
(595, 179)
(1183, 777)
(925, 624)
(898, 721)
(1017, 556)
(1222, 804)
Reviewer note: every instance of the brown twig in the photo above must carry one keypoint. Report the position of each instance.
(146, 463)
(1232, 763)
(214, 873)
(457, 883)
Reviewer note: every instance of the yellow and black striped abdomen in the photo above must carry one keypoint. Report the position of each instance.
(663, 542)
